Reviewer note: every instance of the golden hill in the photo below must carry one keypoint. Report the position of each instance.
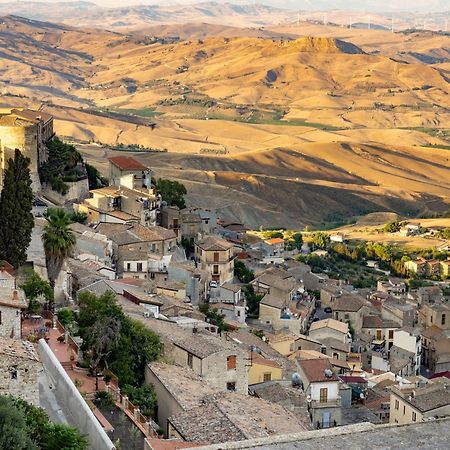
(270, 130)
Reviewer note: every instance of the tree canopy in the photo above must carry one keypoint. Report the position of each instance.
(114, 340)
(58, 240)
(35, 287)
(16, 204)
(27, 427)
(320, 240)
(172, 192)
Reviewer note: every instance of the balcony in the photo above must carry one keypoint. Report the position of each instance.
(315, 404)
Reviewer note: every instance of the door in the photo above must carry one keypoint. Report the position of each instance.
(326, 419)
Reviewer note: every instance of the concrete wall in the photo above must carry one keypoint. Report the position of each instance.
(74, 407)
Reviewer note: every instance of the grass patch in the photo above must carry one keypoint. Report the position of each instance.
(143, 112)
(274, 121)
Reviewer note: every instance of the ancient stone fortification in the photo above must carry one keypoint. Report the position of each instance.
(27, 131)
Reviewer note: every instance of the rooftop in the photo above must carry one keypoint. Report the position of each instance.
(350, 303)
(419, 436)
(17, 348)
(330, 323)
(314, 370)
(214, 243)
(432, 396)
(378, 322)
(127, 163)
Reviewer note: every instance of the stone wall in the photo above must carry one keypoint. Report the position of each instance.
(23, 138)
(73, 405)
(78, 190)
(19, 378)
(10, 326)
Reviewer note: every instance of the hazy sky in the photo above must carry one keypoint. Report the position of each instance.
(368, 5)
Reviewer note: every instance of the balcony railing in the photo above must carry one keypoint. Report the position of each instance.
(327, 404)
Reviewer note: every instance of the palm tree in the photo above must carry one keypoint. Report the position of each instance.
(58, 240)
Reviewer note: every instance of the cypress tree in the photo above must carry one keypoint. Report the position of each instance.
(16, 204)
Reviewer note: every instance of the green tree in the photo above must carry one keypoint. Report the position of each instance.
(320, 240)
(252, 300)
(13, 428)
(172, 192)
(16, 204)
(44, 434)
(58, 240)
(392, 227)
(35, 287)
(66, 317)
(214, 317)
(143, 396)
(243, 273)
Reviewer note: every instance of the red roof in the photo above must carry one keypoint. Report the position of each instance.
(441, 374)
(314, 369)
(127, 163)
(352, 379)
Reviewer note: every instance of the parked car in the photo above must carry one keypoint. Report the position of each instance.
(328, 310)
(213, 284)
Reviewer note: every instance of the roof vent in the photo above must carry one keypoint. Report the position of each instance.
(328, 373)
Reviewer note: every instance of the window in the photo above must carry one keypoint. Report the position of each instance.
(391, 334)
(346, 316)
(216, 257)
(323, 395)
(443, 319)
(239, 313)
(190, 360)
(336, 355)
(231, 362)
(267, 376)
(414, 417)
(152, 275)
(404, 409)
(139, 267)
(231, 386)
(215, 269)
(153, 247)
(128, 267)
(397, 404)
(13, 372)
(379, 335)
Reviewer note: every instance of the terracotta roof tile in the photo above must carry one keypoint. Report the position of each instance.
(127, 163)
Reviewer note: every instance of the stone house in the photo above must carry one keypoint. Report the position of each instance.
(170, 218)
(393, 286)
(128, 171)
(382, 330)
(121, 204)
(435, 314)
(401, 312)
(329, 328)
(12, 303)
(350, 308)
(191, 225)
(191, 410)
(321, 387)
(435, 349)
(221, 363)
(193, 278)
(411, 404)
(20, 368)
(216, 256)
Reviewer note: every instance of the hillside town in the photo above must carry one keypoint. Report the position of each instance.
(144, 322)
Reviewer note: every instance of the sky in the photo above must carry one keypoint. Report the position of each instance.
(363, 5)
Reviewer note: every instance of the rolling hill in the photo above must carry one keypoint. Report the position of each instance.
(274, 126)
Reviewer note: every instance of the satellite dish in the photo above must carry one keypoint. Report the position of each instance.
(296, 380)
(328, 373)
